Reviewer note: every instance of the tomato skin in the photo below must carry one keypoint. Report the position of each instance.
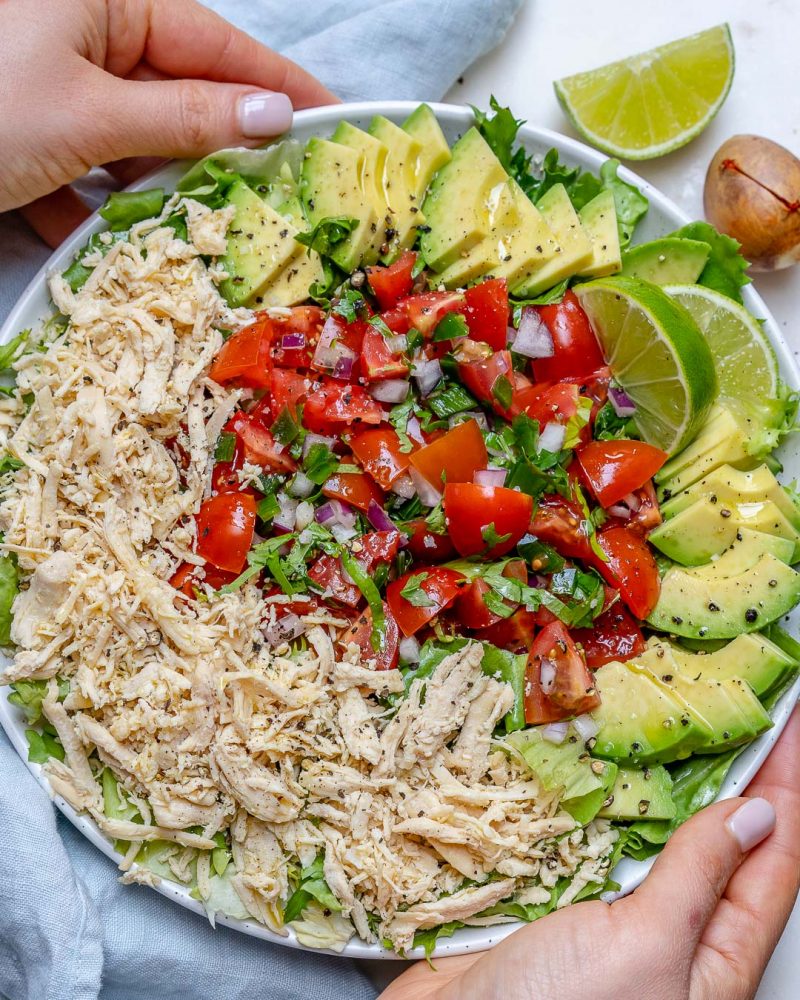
(356, 488)
(557, 522)
(332, 403)
(613, 636)
(360, 633)
(648, 515)
(487, 312)
(426, 546)
(470, 508)
(455, 457)
(548, 403)
(471, 609)
(257, 445)
(426, 310)
(573, 691)
(327, 571)
(514, 634)
(441, 586)
(630, 568)
(393, 282)
(305, 320)
(378, 361)
(397, 319)
(576, 349)
(613, 469)
(225, 526)
(245, 357)
(287, 389)
(184, 580)
(480, 376)
(378, 451)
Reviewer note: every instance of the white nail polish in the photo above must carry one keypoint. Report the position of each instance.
(752, 823)
(264, 113)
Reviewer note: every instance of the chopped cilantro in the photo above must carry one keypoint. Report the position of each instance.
(10, 464)
(269, 483)
(435, 520)
(413, 592)
(350, 305)
(327, 234)
(490, 536)
(366, 585)
(609, 427)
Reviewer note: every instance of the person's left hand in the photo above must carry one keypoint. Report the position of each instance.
(702, 926)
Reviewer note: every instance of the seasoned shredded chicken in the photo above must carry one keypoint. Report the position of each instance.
(418, 817)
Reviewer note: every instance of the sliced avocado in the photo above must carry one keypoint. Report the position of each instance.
(723, 440)
(291, 286)
(746, 588)
(727, 485)
(706, 527)
(574, 248)
(640, 722)
(644, 793)
(531, 247)
(422, 126)
(730, 711)
(401, 182)
(456, 207)
(260, 244)
(783, 641)
(373, 181)
(331, 185)
(668, 261)
(752, 656)
(599, 221)
(586, 782)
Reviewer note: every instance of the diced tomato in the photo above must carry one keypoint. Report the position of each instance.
(570, 691)
(296, 336)
(328, 573)
(544, 616)
(471, 609)
(298, 604)
(426, 546)
(186, 579)
(613, 636)
(426, 310)
(225, 526)
(360, 633)
(397, 319)
(630, 568)
(257, 444)
(481, 376)
(613, 469)
(332, 404)
(338, 347)
(487, 312)
(356, 488)
(455, 457)
(548, 403)
(440, 585)
(576, 349)
(514, 633)
(557, 522)
(379, 451)
(393, 282)
(224, 478)
(595, 386)
(647, 515)
(245, 357)
(471, 511)
(378, 361)
(287, 388)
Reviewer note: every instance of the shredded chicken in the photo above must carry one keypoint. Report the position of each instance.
(295, 756)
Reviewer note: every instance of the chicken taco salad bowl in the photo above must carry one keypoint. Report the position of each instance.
(206, 709)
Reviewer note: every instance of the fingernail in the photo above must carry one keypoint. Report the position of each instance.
(752, 822)
(264, 113)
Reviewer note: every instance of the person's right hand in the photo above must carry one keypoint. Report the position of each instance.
(702, 926)
(93, 82)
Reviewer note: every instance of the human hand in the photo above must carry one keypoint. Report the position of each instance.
(94, 82)
(701, 927)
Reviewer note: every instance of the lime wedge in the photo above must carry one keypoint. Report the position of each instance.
(743, 357)
(656, 353)
(654, 102)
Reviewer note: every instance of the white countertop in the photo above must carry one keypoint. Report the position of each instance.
(553, 38)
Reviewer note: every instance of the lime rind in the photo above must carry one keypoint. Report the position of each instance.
(646, 91)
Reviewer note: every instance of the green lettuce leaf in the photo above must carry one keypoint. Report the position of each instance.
(13, 350)
(42, 746)
(124, 208)
(726, 268)
(312, 886)
(9, 588)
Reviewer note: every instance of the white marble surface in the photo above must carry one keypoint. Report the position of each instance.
(553, 38)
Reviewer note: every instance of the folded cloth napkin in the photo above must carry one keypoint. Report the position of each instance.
(68, 929)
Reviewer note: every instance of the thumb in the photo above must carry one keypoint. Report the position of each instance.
(689, 877)
(185, 118)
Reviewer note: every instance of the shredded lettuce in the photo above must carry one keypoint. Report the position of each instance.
(13, 350)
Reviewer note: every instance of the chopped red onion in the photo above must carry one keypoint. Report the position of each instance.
(391, 390)
(619, 510)
(414, 430)
(291, 340)
(397, 344)
(547, 675)
(301, 486)
(343, 369)
(312, 439)
(427, 374)
(511, 334)
(632, 501)
(342, 533)
(404, 487)
(285, 518)
(555, 732)
(489, 477)
(538, 581)
(585, 727)
(283, 630)
(533, 339)
(409, 649)
(552, 437)
(334, 512)
(330, 354)
(621, 402)
(378, 517)
(427, 493)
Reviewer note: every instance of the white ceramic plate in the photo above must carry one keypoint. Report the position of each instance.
(664, 216)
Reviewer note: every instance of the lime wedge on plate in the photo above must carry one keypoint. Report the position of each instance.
(656, 353)
(743, 357)
(654, 102)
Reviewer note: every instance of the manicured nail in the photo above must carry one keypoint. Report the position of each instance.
(752, 822)
(264, 113)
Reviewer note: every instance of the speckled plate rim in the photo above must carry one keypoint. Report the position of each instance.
(664, 216)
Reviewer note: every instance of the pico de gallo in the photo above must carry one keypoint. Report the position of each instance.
(429, 464)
